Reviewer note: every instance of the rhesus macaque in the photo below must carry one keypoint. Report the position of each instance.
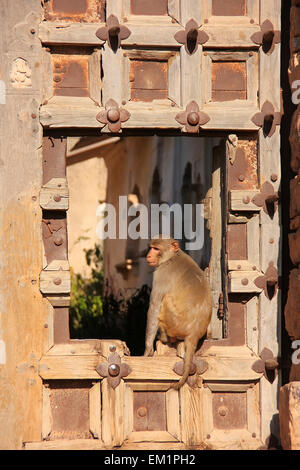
(180, 302)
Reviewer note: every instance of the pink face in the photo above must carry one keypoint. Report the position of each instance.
(153, 256)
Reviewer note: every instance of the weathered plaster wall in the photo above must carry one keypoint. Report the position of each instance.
(87, 180)
(23, 311)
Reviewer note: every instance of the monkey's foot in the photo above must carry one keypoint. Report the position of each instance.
(149, 352)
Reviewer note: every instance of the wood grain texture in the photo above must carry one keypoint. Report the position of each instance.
(95, 410)
(226, 362)
(112, 414)
(241, 200)
(243, 281)
(55, 282)
(191, 415)
(21, 245)
(269, 162)
(47, 415)
(216, 240)
(54, 195)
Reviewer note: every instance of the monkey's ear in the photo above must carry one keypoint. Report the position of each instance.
(175, 246)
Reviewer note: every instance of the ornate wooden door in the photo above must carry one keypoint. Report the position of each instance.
(206, 67)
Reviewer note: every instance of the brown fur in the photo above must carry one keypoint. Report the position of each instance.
(180, 304)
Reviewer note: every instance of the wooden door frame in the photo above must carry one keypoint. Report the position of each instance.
(55, 116)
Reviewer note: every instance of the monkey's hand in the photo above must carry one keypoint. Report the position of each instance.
(149, 351)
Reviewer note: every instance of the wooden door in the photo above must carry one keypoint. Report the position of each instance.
(204, 67)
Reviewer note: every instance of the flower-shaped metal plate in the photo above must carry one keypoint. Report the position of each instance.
(198, 366)
(113, 33)
(267, 37)
(113, 116)
(267, 365)
(191, 37)
(268, 119)
(113, 369)
(268, 282)
(266, 199)
(192, 118)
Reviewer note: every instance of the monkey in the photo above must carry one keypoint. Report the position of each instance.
(180, 302)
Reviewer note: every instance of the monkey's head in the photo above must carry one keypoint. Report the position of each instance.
(160, 250)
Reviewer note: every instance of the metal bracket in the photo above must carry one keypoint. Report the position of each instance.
(268, 119)
(192, 117)
(113, 32)
(267, 37)
(191, 36)
(113, 116)
(198, 367)
(267, 199)
(113, 369)
(269, 282)
(267, 365)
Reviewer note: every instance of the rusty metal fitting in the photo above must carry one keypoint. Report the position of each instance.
(246, 200)
(114, 31)
(142, 412)
(57, 281)
(193, 118)
(192, 34)
(113, 370)
(245, 281)
(57, 198)
(274, 177)
(113, 115)
(271, 364)
(58, 240)
(223, 410)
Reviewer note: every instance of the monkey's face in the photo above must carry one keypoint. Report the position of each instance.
(153, 256)
(160, 251)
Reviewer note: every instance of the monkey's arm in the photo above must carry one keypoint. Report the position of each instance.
(152, 326)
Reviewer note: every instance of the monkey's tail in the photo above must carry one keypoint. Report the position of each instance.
(190, 348)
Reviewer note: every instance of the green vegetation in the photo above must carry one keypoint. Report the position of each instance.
(95, 312)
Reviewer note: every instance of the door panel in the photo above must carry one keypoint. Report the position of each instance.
(187, 68)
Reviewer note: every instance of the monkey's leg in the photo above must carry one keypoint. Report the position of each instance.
(163, 335)
(152, 326)
(190, 348)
